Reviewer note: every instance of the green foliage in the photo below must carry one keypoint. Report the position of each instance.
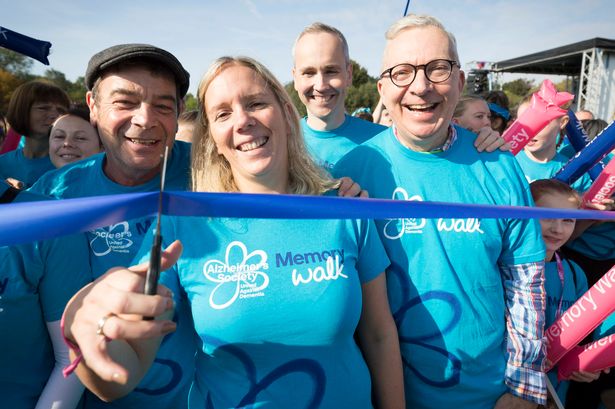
(360, 75)
(520, 87)
(363, 92)
(8, 82)
(294, 96)
(365, 95)
(191, 102)
(17, 64)
(75, 90)
(15, 70)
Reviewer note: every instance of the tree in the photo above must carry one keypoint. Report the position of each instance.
(360, 75)
(8, 82)
(14, 63)
(191, 102)
(520, 87)
(77, 91)
(294, 96)
(365, 95)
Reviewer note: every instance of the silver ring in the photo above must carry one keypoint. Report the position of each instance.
(101, 324)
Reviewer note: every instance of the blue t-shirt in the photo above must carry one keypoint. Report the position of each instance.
(444, 283)
(36, 281)
(567, 150)
(166, 384)
(275, 305)
(15, 165)
(327, 147)
(574, 286)
(537, 170)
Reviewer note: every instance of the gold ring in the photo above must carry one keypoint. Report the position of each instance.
(101, 324)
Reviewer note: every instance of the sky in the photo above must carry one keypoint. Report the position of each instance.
(198, 32)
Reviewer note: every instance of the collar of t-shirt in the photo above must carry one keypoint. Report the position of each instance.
(450, 140)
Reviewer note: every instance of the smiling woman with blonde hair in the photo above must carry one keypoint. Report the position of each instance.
(211, 173)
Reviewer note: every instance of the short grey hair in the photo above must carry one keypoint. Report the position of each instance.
(318, 27)
(421, 20)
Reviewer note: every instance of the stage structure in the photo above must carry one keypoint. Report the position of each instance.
(589, 64)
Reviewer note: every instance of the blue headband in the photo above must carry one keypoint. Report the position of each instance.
(361, 110)
(498, 110)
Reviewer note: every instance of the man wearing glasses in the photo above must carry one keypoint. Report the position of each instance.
(467, 294)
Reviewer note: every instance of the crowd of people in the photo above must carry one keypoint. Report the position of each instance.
(397, 313)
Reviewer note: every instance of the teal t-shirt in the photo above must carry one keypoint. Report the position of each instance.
(166, 384)
(444, 284)
(275, 304)
(327, 147)
(536, 170)
(566, 292)
(15, 165)
(36, 281)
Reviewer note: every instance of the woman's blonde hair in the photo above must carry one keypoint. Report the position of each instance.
(211, 171)
(463, 103)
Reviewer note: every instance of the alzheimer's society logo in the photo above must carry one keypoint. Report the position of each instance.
(114, 238)
(396, 228)
(240, 275)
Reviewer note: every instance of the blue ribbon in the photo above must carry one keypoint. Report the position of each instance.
(25, 222)
(578, 139)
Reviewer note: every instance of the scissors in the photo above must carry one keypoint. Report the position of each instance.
(153, 271)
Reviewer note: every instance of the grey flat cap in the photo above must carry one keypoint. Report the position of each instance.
(125, 52)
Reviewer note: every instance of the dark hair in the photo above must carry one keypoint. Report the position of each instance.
(541, 187)
(82, 111)
(497, 97)
(593, 127)
(26, 95)
(78, 110)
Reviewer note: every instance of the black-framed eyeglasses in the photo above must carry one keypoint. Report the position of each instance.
(436, 71)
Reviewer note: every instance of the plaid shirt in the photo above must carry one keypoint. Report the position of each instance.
(525, 321)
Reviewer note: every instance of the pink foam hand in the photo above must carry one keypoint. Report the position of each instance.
(544, 107)
(552, 96)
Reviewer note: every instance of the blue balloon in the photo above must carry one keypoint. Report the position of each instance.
(589, 156)
(578, 139)
(37, 49)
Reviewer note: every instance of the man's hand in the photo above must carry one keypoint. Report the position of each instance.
(489, 140)
(349, 188)
(510, 401)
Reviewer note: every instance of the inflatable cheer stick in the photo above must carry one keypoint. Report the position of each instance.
(37, 49)
(581, 318)
(597, 149)
(603, 187)
(578, 139)
(592, 357)
(25, 45)
(544, 107)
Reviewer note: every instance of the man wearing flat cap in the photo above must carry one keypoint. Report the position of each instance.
(135, 95)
